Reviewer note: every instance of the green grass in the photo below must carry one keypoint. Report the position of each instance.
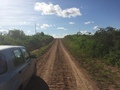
(99, 71)
(41, 50)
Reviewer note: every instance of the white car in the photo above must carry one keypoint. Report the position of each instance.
(17, 66)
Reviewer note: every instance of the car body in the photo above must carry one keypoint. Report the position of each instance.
(17, 66)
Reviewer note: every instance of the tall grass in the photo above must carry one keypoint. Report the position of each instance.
(96, 67)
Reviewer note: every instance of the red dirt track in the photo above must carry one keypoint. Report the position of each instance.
(61, 71)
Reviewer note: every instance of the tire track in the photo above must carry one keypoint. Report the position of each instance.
(58, 69)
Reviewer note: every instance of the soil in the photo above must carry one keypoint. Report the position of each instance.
(58, 70)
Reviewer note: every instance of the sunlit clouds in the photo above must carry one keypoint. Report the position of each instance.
(45, 26)
(24, 23)
(58, 17)
(83, 32)
(61, 28)
(95, 27)
(50, 9)
(71, 22)
(89, 22)
(58, 35)
(3, 31)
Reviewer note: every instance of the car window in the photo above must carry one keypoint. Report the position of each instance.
(25, 54)
(3, 65)
(17, 57)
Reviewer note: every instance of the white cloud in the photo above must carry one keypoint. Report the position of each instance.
(3, 31)
(24, 23)
(84, 32)
(54, 35)
(37, 28)
(65, 34)
(15, 12)
(61, 28)
(44, 26)
(95, 27)
(71, 22)
(30, 32)
(89, 22)
(71, 12)
(58, 35)
(12, 28)
(50, 9)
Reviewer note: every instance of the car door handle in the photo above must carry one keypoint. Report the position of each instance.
(20, 72)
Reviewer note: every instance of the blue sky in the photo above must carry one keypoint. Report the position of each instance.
(59, 17)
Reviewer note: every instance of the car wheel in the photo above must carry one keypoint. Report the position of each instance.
(20, 88)
(35, 72)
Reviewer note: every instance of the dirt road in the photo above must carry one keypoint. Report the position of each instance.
(61, 72)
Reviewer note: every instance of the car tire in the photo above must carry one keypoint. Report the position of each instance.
(35, 72)
(20, 87)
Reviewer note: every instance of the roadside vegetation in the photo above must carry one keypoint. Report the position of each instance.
(42, 50)
(99, 54)
(18, 37)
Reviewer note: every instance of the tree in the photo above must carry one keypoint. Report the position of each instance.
(16, 34)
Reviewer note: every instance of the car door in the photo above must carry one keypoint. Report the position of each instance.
(21, 67)
(27, 59)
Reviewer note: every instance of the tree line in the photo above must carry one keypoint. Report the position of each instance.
(104, 45)
(18, 37)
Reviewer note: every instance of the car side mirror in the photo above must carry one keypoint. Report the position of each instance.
(33, 56)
